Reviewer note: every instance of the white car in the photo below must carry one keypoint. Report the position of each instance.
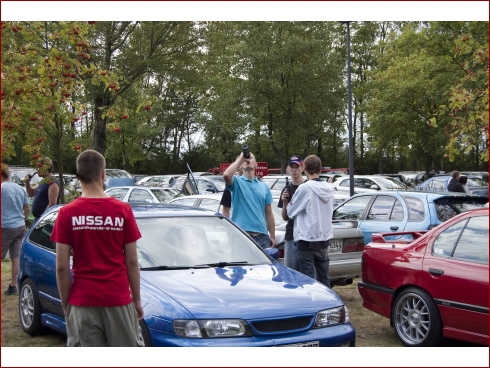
(134, 194)
(368, 184)
(345, 248)
(158, 180)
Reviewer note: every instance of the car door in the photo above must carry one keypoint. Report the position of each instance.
(364, 185)
(40, 255)
(383, 215)
(141, 195)
(344, 185)
(456, 274)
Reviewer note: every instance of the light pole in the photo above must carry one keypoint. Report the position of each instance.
(349, 92)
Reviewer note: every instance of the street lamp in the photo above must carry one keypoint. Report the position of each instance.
(349, 90)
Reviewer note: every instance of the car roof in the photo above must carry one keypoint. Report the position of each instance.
(168, 210)
(421, 193)
(198, 196)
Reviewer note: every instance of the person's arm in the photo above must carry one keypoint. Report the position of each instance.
(133, 270)
(230, 171)
(31, 191)
(53, 192)
(27, 210)
(225, 211)
(271, 226)
(283, 203)
(299, 202)
(63, 273)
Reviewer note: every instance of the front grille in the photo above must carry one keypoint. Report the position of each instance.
(282, 324)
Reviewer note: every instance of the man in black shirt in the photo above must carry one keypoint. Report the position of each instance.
(454, 185)
(296, 171)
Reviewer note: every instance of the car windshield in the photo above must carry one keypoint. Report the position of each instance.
(113, 173)
(391, 183)
(190, 241)
(220, 185)
(164, 196)
(449, 207)
(477, 182)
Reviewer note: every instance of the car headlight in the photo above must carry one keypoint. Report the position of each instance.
(212, 328)
(330, 317)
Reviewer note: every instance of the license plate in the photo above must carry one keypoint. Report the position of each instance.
(334, 245)
(309, 344)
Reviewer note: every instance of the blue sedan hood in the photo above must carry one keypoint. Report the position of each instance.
(256, 291)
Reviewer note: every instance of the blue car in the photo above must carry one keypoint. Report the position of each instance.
(204, 282)
(439, 183)
(385, 211)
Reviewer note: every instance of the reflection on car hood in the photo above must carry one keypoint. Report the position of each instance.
(243, 291)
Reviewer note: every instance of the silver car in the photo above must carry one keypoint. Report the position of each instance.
(345, 248)
(134, 194)
(368, 184)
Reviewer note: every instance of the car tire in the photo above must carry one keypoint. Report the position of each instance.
(145, 332)
(30, 308)
(416, 319)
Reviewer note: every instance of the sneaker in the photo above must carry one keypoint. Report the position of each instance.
(12, 290)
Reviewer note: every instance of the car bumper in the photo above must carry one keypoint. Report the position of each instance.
(344, 269)
(376, 298)
(337, 336)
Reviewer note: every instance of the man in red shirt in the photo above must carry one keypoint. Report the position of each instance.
(102, 305)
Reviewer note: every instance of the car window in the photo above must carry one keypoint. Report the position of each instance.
(353, 209)
(345, 183)
(162, 195)
(279, 184)
(445, 241)
(416, 210)
(210, 204)
(41, 235)
(203, 186)
(112, 173)
(477, 182)
(139, 195)
(193, 241)
(385, 208)
(438, 184)
(118, 193)
(185, 201)
(447, 208)
(363, 183)
(473, 243)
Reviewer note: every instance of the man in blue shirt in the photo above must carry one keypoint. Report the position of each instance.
(15, 210)
(251, 201)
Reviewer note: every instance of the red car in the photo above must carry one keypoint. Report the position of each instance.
(433, 286)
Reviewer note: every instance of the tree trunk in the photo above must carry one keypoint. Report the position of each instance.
(101, 103)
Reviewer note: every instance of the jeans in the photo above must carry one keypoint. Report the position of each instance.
(314, 263)
(290, 254)
(263, 240)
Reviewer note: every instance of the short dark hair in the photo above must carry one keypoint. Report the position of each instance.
(455, 174)
(312, 164)
(90, 164)
(463, 179)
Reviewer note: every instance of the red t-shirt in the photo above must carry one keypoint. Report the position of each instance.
(97, 229)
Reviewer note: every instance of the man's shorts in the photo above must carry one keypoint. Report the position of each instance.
(103, 326)
(12, 240)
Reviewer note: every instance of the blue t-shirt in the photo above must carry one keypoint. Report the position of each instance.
(248, 200)
(13, 200)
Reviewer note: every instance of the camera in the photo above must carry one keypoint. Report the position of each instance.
(246, 152)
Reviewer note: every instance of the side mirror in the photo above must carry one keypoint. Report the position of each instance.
(374, 186)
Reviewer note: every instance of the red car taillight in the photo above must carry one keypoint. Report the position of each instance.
(353, 245)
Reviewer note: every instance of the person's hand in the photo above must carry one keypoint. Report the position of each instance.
(285, 197)
(273, 243)
(139, 310)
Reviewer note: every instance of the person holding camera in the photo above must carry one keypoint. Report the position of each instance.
(295, 167)
(311, 207)
(251, 200)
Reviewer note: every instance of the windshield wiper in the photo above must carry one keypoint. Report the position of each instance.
(157, 268)
(223, 264)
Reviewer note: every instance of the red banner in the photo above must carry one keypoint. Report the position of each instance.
(261, 170)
